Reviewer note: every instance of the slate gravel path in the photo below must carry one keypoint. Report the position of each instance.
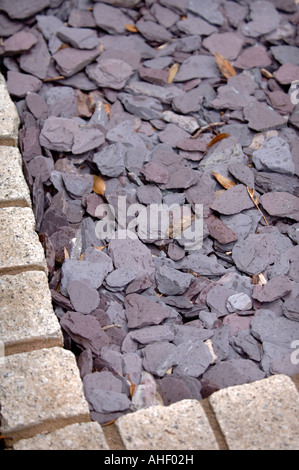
(125, 99)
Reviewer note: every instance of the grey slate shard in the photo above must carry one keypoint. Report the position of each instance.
(165, 94)
(120, 277)
(110, 19)
(111, 160)
(84, 298)
(141, 311)
(234, 372)
(227, 44)
(81, 38)
(104, 401)
(207, 9)
(111, 73)
(94, 272)
(158, 357)
(199, 66)
(232, 201)
(145, 107)
(277, 287)
(274, 155)
(18, 43)
(153, 32)
(152, 334)
(264, 19)
(192, 358)
(196, 25)
(70, 60)
(286, 54)
(217, 299)
(246, 343)
(22, 9)
(49, 25)
(58, 134)
(170, 281)
(78, 184)
(202, 264)
(255, 253)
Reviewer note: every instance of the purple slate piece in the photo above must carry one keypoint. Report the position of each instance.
(131, 252)
(196, 25)
(153, 32)
(104, 401)
(170, 281)
(255, 56)
(84, 298)
(158, 357)
(281, 204)
(276, 288)
(19, 84)
(21, 9)
(232, 201)
(264, 19)
(85, 330)
(111, 73)
(152, 334)
(58, 134)
(207, 9)
(227, 44)
(111, 160)
(41, 166)
(8, 26)
(76, 184)
(287, 73)
(81, 38)
(255, 253)
(36, 61)
(155, 173)
(198, 66)
(192, 358)
(234, 372)
(143, 312)
(86, 139)
(110, 19)
(37, 105)
(94, 272)
(219, 231)
(202, 264)
(70, 60)
(120, 277)
(18, 43)
(217, 299)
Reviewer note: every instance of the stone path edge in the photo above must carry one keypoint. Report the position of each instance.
(42, 401)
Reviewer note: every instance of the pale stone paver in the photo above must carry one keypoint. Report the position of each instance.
(40, 391)
(13, 187)
(20, 246)
(262, 415)
(179, 426)
(9, 118)
(27, 320)
(78, 436)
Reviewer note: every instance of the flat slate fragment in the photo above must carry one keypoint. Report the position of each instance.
(22, 9)
(262, 117)
(281, 204)
(143, 312)
(70, 60)
(255, 253)
(232, 201)
(111, 73)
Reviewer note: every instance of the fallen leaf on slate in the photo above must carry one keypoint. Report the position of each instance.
(225, 182)
(100, 248)
(259, 279)
(217, 138)
(253, 196)
(107, 108)
(53, 79)
(108, 423)
(99, 185)
(66, 253)
(172, 72)
(132, 386)
(63, 46)
(224, 65)
(107, 327)
(132, 28)
(266, 73)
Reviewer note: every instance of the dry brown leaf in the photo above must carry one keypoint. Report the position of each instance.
(132, 28)
(224, 65)
(259, 279)
(100, 248)
(81, 257)
(172, 72)
(225, 182)
(217, 138)
(66, 253)
(107, 108)
(99, 185)
(266, 73)
(254, 198)
(107, 327)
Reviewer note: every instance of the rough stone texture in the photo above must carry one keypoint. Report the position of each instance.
(262, 415)
(78, 436)
(27, 320)
(9, 118)
(21, 248)
(34, 399)
(13, 188)
(180, 426)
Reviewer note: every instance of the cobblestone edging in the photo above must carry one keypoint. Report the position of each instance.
(41, 393)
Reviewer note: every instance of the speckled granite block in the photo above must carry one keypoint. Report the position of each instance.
(78, 436)
(13, 187)
(27, 320)
(20, 246)
(40, 391)
(262, 415)
(9, 118)
(180, 426)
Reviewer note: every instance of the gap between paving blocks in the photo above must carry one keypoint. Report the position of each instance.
(41, 394)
